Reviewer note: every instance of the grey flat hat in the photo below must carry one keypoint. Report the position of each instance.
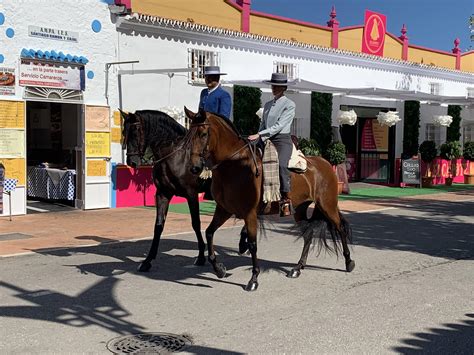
(279, 79)
(213, 70)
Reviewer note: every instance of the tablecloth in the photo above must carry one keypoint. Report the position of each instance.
(40, 183)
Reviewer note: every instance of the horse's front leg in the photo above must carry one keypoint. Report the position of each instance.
(193, 203)
(251, 224)
(219, 218)
(162, 202)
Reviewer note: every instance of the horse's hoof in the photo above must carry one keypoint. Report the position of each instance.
(350, 266)
(200, 261)
(251, 286)
(293, 273)
(144, 266)
(243, 247)
(221, 271)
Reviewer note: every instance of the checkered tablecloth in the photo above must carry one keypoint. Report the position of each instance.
(41, 185)
(9, 185)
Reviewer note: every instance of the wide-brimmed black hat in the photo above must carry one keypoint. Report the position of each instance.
(279, 79)
(213, 70)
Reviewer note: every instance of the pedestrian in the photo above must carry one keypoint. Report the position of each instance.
(215, 99)
(278, 115)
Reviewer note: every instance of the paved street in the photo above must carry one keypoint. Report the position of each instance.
(411, 290)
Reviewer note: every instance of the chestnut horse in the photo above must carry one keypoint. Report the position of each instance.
(237, 190)
(171, 171)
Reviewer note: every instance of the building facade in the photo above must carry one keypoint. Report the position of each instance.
(75, 63)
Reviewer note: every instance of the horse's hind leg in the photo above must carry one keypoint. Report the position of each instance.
(162, 203)
(300, 217)
(193, 204)
(219, 218)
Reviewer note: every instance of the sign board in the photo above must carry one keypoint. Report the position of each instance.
(97, 118)
(97, 144)
(7, 81)
(96, 167)
(15, 169)
(52, 75)
(53, 33)
(12, 143)
(373, 38)
(116, 135)
(12, 114)
(411, 171)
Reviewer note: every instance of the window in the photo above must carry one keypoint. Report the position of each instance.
(468, 133)
(198, 59)
(433, 133)
(435, 88)
(290, 69)
(470, 92)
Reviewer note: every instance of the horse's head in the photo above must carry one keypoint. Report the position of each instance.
(199, 135)
(133, 138)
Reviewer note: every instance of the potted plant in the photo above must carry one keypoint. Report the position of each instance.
(428, 153)
(335, 155)
(450, 151)
(308, 146)
(468, 155)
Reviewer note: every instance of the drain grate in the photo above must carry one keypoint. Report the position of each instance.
(14, 236)
(149, 343)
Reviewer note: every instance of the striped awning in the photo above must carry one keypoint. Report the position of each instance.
(53, 55)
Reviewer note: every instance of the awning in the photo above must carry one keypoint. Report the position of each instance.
(53, 55)
(369, 92)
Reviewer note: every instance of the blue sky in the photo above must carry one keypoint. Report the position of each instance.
(430, 23)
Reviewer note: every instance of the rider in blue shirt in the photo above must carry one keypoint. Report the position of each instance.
(215, 99)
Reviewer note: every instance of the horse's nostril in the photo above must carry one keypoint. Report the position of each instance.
(196, 170)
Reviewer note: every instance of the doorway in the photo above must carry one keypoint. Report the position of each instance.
(53, 140)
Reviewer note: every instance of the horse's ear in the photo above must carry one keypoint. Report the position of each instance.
(202, 113)
(189, 114)
(123, 113)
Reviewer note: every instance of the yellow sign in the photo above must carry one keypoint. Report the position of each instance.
(12, 143)
(97, 118)
(116, 135)
(96, 168)
(97, 144)
(380, 136)
(117, 118)
(12, 114)
(15, 169)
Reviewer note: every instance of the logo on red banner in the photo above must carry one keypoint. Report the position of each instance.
(373, 39)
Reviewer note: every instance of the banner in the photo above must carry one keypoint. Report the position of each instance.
(7, 81)
(43, 74)
(373, 39)
(12, 114)
(97, 118)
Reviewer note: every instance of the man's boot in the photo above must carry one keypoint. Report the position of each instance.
(285, 205)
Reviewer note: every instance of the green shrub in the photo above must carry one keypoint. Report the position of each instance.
(321, 110)
(411, 128)
(428, 151)
(309, 147)
(453, 133)
(247, 101)
(450, 150)
(335, 153)
(468, 151)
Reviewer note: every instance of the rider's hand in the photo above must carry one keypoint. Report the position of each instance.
(253, 137)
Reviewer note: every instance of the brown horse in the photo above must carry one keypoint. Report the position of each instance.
(237, 190)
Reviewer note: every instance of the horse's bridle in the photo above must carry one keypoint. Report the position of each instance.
(141, 139)
(205, 153)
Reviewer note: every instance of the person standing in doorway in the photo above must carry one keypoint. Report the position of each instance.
(215, 99)
(278, 115)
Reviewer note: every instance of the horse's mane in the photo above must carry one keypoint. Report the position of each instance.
(161, 127)
(229, 123)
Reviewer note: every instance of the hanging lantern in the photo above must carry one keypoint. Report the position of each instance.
(347, 117)
(442, 120)
(388, 118)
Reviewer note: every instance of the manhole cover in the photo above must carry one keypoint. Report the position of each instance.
(149, 343)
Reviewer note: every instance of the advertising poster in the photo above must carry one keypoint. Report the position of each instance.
(97, 144)
(373, 39)
(12, 114)
(7, 81)
(97, 118)
(96, 167)
(42, 74)
(12, 143)
(116, 135)
(15, 169)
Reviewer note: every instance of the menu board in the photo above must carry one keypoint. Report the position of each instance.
(411, 171)
(97, 118)
(12, 114)
(96, 167)
(12, 143)
(374, 136)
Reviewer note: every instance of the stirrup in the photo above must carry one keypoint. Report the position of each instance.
(285, 208)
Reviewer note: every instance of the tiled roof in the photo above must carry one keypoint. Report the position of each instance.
(53, 55)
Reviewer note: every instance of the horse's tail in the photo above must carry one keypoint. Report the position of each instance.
(324, 233)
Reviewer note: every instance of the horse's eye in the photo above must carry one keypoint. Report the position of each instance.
(204, 135)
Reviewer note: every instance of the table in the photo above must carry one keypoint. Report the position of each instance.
(53, 184)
